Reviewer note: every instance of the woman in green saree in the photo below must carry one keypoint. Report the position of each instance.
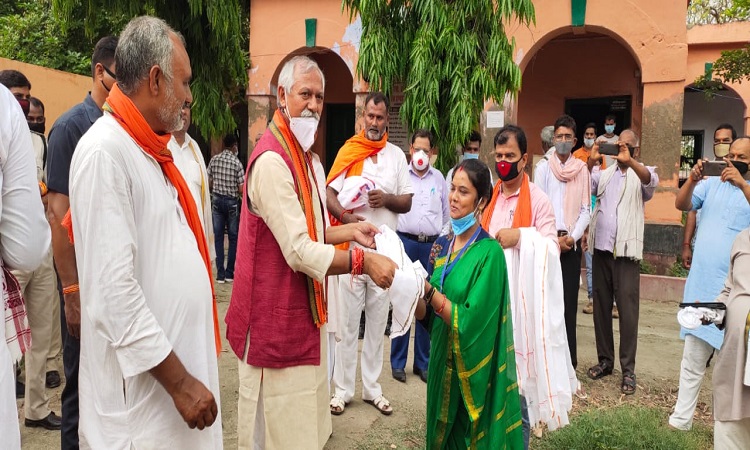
(472, 394)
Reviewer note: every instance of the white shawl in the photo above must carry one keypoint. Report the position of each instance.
(545, 373)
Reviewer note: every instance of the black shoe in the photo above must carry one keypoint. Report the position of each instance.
(399, 375)
(388, 324)
(52, 379)
(20, 389)
(51, 422)
(422, 374)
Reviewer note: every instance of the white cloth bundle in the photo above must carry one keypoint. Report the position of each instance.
(545, 373)
(354, 193)
(692, 317)
(408, 283)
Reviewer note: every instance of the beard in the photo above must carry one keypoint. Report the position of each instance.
(170, 114)
(374, 134)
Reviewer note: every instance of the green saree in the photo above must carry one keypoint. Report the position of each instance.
(472, 393)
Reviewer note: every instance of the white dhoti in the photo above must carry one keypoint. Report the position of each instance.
(284, 408)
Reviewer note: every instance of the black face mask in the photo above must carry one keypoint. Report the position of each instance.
(741, 166)
(507, 170)
(38, 127)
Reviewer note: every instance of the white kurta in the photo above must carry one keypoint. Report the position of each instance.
(144, 293)
(189, 159)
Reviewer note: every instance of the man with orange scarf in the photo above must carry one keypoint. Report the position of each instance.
(566, 181)
(522, 219)
(276, 322)
(370, 155)
(148, 374)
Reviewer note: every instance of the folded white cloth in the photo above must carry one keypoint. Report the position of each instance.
(692, 318)
(354, 192)
(408, 282)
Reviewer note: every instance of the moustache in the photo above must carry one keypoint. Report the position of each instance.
(308, 113)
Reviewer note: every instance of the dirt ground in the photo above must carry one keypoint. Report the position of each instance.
(361, 426)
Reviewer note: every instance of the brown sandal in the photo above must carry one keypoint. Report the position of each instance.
(628, 384)
(600, 370)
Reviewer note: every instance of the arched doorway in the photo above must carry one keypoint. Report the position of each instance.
(338, 119)
(585, 75)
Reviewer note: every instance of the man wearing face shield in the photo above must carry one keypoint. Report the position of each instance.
(565, 179)
(521, 217)
(724, 210)
(370, 155)
(276, 321)
(418, 230)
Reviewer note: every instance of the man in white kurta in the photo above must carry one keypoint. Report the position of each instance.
(24, 240)
(189, 159)
(146, 296)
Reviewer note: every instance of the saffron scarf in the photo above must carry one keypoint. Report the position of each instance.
(124, 111)
(351, 157)
(301, 161)
(522, 216)
(577, 181)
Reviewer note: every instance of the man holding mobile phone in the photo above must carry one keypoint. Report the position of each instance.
(725, 204)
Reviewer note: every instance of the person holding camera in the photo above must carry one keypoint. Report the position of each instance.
(724, 202)
(616, 242)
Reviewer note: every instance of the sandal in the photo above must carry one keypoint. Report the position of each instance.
(600, 370)
(337, 405)
(628, 384)
(382, 404)
(580, 391)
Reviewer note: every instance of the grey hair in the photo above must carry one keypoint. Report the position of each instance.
(298, 65)
(635, 136)
(548, 135)
(145, 42)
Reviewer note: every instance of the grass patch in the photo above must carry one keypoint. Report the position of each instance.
(624, 427)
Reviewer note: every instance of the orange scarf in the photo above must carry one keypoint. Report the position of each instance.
(302, 161)
(352, 155)
(522, 216)
(127, 115)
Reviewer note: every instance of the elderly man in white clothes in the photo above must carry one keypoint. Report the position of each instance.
(149, 333)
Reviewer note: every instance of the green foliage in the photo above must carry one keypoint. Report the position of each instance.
(676, 269)
(31, 34)
(449, 57)
(701, 12)
(625, 427)
(216, 33)
(647, 268)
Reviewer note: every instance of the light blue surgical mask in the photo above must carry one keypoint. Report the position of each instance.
(464, 223)
(609, 129)
(471, 156)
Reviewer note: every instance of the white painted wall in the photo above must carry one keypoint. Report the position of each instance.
(702, 114)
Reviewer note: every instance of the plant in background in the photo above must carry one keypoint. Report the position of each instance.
(647, 268)
(450, 57)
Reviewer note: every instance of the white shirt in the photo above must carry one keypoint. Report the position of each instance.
(24, 231)
(144, 292)
(391, 175)
(555, 190)
(189, 160)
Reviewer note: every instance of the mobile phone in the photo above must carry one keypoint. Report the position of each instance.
(713, 168)
(605, 148)
(709, 305)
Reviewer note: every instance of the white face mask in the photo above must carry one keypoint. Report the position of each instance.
(420, 160)
(304, 129)
(588, 143)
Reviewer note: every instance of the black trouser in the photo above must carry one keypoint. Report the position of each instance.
(616, 277)
(69, 397)
(570, 263)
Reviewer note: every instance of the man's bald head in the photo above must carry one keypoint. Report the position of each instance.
(629, 137)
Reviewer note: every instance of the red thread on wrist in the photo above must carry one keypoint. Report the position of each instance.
(358, 261)
(442, 305)
(341, 219)
(71, 289)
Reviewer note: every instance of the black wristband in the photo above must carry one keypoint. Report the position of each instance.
(430, 293)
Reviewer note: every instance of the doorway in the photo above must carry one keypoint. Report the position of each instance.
(340, 122)
(594, 110)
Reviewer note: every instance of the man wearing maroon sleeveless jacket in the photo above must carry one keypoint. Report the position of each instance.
(276, 322)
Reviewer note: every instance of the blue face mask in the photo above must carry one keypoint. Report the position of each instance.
(464, 223)
(471, 156)
(609, 129)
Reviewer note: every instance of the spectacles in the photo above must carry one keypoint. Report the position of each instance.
(109, 72)
(564, 137)
(38, 119)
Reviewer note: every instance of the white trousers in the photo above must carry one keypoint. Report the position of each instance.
(695, 355)
(359, 293)
(732, 435)
(10, 435)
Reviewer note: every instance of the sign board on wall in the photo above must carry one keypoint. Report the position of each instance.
(398, 132)
(495, 119)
